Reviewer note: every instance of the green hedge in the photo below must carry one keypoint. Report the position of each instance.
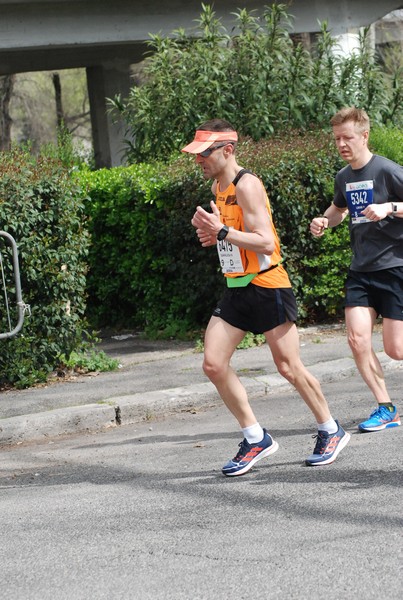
(387, 141)
(41, 206)
(146, 268)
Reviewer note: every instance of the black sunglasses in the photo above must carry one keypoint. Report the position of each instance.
(206, 153)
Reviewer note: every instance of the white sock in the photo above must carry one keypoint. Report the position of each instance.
(329, 426)
(253, 433)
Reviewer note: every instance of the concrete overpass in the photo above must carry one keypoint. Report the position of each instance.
(107, 37)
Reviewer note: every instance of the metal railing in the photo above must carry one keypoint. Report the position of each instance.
(22, 308)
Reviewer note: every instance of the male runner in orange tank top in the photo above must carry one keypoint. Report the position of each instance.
(259, 298)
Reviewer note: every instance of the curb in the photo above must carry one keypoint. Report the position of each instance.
(39, 426)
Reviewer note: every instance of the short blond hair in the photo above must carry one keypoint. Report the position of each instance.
(350, 113)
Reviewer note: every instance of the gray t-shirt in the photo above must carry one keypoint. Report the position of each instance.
(375, 245)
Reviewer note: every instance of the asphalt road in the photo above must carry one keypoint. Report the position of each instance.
(142, 511)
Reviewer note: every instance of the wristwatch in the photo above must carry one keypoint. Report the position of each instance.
(222, 234)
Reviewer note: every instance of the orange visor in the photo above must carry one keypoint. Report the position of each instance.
(205, 139)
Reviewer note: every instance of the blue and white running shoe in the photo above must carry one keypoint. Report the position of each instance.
(328, 446)
(249, 454)
(380, 418)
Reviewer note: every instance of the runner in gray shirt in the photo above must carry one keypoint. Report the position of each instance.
(370, 190)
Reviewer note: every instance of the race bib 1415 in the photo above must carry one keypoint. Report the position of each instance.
(230, 257)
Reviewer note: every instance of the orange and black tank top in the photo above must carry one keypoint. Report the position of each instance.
(231, 214)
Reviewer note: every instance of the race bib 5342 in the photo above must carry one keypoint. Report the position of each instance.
(359, 196)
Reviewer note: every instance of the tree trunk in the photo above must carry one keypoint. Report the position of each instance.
(58, 98)
(6, 92)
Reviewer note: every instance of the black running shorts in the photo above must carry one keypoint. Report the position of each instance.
(257, 309)
(380, 290)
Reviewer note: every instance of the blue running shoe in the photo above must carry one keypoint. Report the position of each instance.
(380, 418)
(249, 454)
(328, 446)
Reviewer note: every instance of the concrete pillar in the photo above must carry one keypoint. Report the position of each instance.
(348, 43)
(106, 81)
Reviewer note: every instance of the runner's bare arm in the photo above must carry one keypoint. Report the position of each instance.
(251, 197)
(332, 217)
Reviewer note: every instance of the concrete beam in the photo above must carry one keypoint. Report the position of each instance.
(71, 57)
(32, 24)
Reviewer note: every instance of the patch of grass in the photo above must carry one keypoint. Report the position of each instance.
(89, 361)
